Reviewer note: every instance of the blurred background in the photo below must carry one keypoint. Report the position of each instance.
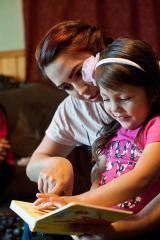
(24, 22)
(28, 104)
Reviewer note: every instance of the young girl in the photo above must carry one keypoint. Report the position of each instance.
(129, 81)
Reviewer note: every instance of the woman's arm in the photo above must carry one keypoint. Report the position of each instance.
(141, 223)
(52, 173)
(139, 226)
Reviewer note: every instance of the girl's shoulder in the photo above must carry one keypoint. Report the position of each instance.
(152, 130)
(153, 122)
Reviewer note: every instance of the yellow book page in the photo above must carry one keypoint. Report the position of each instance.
(31, 209)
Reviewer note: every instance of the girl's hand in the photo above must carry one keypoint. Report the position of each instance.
(48, 200)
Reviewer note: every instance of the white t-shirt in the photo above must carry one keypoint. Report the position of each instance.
(76, 122)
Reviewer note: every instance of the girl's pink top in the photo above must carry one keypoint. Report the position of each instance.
(122, 153)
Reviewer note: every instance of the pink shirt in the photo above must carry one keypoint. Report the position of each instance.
(122, 154)
(3, 134)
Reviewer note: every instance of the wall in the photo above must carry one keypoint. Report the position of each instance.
(12, 53)
(11, 25)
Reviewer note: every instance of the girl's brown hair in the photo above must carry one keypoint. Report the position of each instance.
(114, 75)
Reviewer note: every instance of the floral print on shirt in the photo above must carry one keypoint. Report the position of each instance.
(122, 156)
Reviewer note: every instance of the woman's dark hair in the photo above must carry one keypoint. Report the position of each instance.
(114, 75)
(70, 36)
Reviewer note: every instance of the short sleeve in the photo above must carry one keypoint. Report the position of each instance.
(152, 130)
(77, 122)
(59, 129)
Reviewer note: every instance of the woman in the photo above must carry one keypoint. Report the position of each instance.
(60, 56)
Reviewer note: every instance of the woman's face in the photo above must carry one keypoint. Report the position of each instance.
(65, 73)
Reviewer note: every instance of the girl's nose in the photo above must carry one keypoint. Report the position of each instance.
(114, 106)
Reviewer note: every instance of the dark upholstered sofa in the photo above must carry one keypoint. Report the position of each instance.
(30, 108)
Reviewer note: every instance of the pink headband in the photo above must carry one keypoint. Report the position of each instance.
(88, 68)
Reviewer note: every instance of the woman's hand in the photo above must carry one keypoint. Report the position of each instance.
(57, 178)
(52, 173)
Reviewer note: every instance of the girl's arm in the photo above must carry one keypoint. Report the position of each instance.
(136, 225)
(127, 185)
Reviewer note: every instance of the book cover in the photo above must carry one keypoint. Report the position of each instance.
(60, 220)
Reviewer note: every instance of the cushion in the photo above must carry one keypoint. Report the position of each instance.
(30, 128)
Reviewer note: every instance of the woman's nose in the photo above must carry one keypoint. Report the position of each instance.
(82, 89)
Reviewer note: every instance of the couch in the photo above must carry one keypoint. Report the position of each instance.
(30, 107)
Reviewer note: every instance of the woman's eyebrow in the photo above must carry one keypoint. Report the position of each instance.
(73, 70)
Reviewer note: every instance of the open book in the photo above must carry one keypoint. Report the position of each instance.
(62, 220)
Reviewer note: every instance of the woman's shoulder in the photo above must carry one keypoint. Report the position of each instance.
(75, 103)
(73, 106)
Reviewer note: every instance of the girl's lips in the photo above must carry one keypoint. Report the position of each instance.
(122, 118)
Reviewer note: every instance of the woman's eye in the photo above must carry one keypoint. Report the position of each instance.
(67, 87)
(106, 100)
(78, 73)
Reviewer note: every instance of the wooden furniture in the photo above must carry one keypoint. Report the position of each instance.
(12, 63)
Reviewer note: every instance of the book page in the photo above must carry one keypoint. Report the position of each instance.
(31, 209)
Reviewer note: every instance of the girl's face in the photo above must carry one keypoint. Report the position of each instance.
(130, 105)
(65, 73)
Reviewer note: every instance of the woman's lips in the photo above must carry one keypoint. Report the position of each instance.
(95, 97)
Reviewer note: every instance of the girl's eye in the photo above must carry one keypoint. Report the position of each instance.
(125, 99)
